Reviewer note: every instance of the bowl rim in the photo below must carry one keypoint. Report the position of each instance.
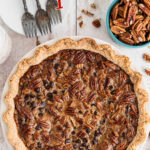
(111, 33)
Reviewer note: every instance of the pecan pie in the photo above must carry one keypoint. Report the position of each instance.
(76, 95)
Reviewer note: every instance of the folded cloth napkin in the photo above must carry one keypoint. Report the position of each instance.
(5, 45)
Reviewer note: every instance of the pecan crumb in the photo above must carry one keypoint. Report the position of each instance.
(147, 72)
(79, 18)
(146, 57)
(93, 6)
(88, 13)
(81, 24)
(96, 23)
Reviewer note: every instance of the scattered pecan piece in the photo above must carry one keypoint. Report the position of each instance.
(79, 18)
(81, 24)
(93, 6)
(147, 72)
(88, 13)
(96, 23)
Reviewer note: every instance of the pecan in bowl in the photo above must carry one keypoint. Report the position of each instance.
(128, 22)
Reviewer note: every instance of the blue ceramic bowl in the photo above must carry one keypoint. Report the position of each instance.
(111, 33)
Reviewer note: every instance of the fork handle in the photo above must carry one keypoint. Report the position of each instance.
(25, 5)
(38, 4)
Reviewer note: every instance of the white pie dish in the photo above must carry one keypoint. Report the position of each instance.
(3, 106)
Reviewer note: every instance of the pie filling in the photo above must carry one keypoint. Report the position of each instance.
(76, 99)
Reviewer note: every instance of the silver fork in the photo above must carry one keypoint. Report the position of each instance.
(54, 15)
(42, 19)
(28, 22)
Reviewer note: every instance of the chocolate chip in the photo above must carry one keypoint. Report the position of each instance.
(33, 105)
(78, 141)
(73, 132)
(32, 96)
(84, 140)
(80, 111)
(67, 141)
(100, 130)
(39, 145)
(83, 144)
(49, 96)
(43, 103)
(96, 133)
(54, 92)
(63, 91)
(95, 74)
(81, 148)
(37, 90)
(88, 130)
(40, 114)
(95, 113)
(41, 109)
(38, 97)
(88, 147)
(56, 66)
(38, 127)
(75, 146)
(93, 104)
(26, 97)
(45, 82)
(50, 85)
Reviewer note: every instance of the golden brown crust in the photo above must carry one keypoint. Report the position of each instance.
(88, 44)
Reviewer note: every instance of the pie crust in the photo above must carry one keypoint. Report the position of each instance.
(87, 44)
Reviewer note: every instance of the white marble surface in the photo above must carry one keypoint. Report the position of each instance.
(21, 45)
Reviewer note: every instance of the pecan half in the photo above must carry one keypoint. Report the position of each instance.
(70, 111)
(111, 66)
(90, 56)
(125, 10)
(117, 30)
(139, 17)
(135, 36)
(145, 9)
(122, 145)
(91, 97)
(81, 134)
(80, 58)
(121, 23)
(93, 83)
(131, 15)
(75, 87)
(127, 40)
(45, 124)
(114, 12)
(36, 83)
(58, 99)
(147, 3)
(114, 139)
